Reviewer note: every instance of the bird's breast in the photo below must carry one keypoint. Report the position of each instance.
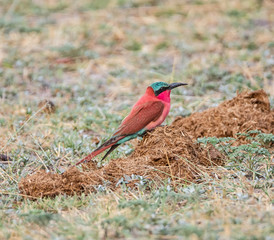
(162, 118)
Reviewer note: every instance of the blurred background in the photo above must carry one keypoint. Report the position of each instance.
(70, 72)
(92, 59)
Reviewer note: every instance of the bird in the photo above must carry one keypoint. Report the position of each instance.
(148, 113)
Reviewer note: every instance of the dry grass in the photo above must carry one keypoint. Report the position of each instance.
(93, 59)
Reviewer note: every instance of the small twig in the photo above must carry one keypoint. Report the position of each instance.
(17, 194)
(133, 194)
(8, 175)
(101, 112)
(172, 177)
(39, 145)
(42, 161)
(5, 162)
(167, 174)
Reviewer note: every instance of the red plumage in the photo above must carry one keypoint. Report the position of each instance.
(140, 116)
(149, 112)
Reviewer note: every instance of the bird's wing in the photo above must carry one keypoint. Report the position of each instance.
(140, 117)
(137, 120)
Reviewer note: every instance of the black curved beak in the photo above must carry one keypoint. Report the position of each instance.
(174, 85)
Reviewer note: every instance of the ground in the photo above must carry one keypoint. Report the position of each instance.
(92, 60)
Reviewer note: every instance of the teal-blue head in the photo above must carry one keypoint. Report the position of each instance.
(159, 87)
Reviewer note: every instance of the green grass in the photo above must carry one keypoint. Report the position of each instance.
(93, 59)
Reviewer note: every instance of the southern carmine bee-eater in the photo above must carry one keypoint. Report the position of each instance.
(149, 112)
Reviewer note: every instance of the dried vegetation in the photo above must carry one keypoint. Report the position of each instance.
(167, 152)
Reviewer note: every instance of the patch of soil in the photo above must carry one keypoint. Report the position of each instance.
(166, 152)
(4, 158)
(47, 106)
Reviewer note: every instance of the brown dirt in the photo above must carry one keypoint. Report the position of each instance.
(47, 106)
(165, 152)
(4, 158)
(247, 111)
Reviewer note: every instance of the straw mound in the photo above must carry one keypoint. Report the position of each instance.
(162, 153)
(247, 111)
(166, 152)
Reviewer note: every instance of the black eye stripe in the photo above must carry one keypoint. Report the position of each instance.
(160, 90)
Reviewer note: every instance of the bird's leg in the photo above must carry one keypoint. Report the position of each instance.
(150, 130)
(110, 150)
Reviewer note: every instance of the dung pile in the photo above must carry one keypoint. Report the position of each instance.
(162, 153)
(247, 111)
(166, 152)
